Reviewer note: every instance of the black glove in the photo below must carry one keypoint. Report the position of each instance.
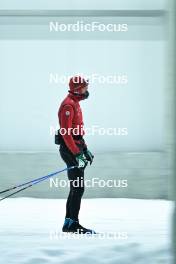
(82, 162)
(89, 156)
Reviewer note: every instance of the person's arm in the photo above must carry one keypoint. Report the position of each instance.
(66, 118)
(88, 155)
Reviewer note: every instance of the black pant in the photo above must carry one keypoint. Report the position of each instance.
(76, 191)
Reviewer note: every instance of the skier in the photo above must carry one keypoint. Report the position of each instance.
(74, 151)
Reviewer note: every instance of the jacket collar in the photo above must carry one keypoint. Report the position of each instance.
(75, 98)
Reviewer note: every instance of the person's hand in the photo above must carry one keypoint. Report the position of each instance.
(81, 161)
(89, 156)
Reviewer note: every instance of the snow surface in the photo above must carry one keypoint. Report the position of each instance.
(130, 231)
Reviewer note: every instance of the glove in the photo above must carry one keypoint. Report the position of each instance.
(82, 162)
(89, 156)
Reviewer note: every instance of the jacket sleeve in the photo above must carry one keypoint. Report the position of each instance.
(66, 118)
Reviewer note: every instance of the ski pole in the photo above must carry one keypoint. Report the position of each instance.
(46, 176)
(32, 182)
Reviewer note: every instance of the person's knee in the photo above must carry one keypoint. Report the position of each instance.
(78, 191)
(82, 191)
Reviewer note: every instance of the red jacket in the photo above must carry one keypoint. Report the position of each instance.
(70, 117)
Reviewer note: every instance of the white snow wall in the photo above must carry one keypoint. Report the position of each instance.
(33, 59)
